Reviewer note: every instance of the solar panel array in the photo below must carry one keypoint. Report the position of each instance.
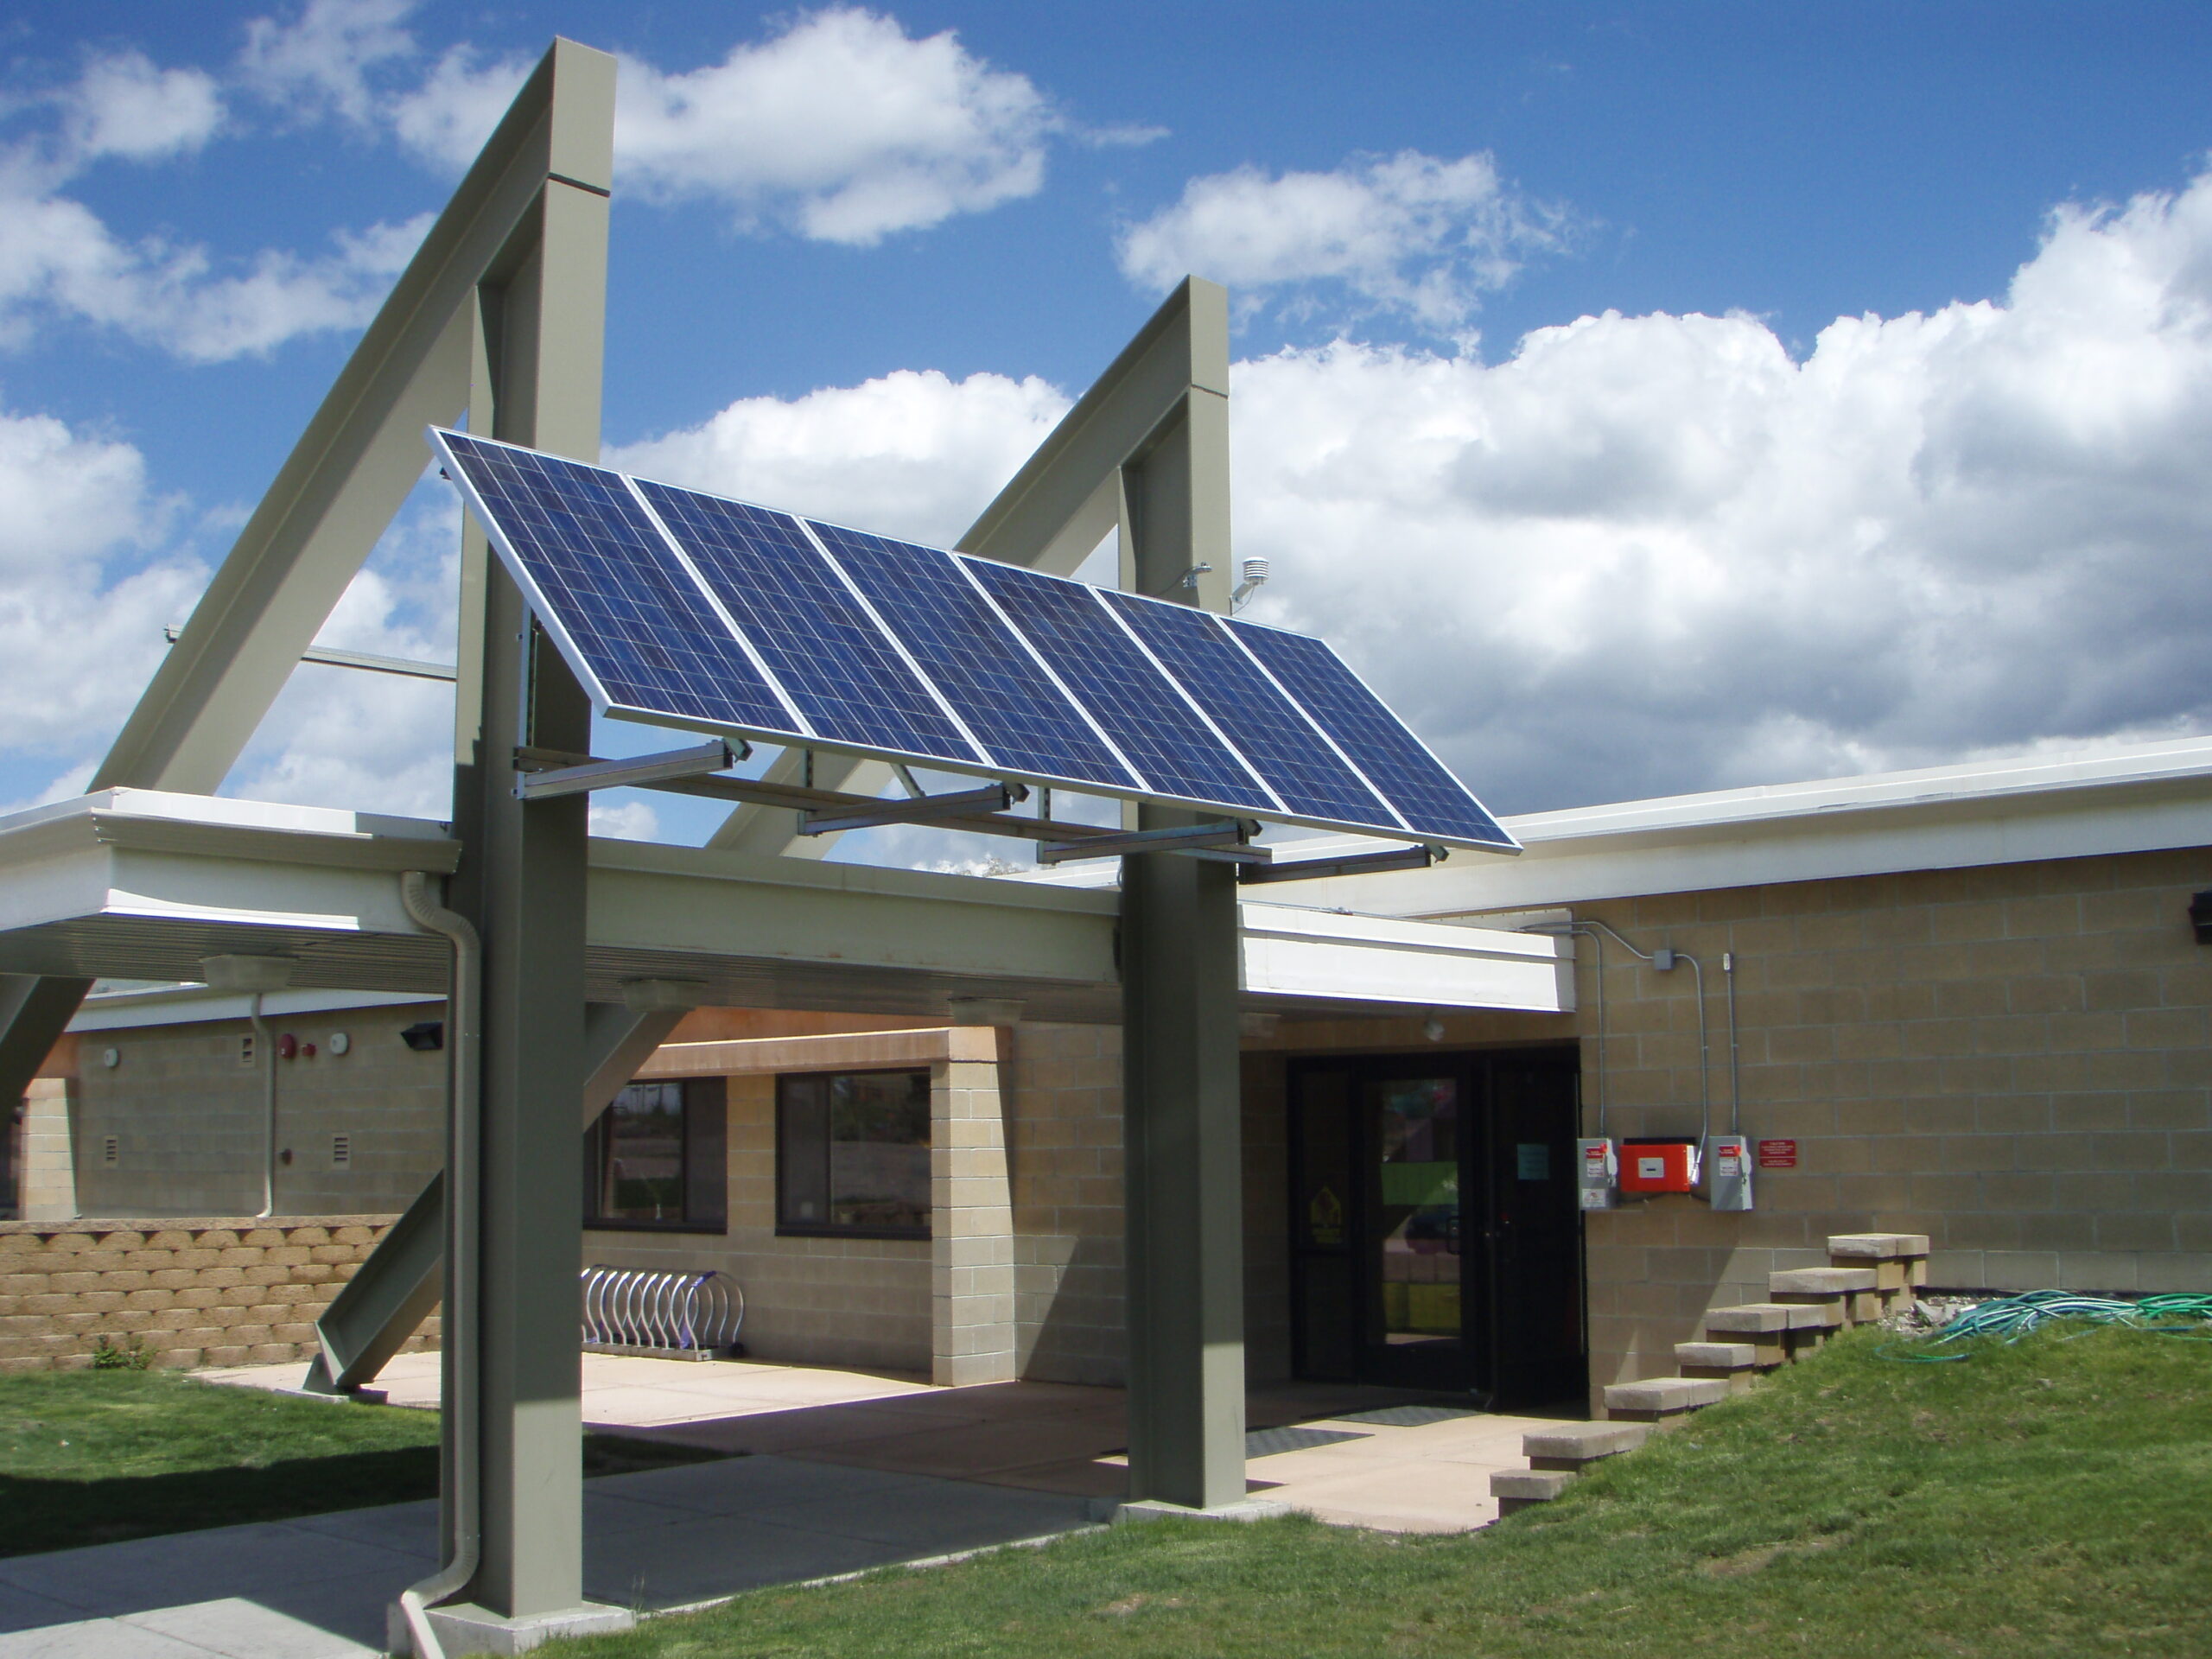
(678, 608)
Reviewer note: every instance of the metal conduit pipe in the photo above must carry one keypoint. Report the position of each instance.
(1735, 1050)
(1599, 930)
(1704, 1057)
(267, 1054)
(463, 1133)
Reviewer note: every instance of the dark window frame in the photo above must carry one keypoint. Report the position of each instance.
(705, 1177)
(785, 1228)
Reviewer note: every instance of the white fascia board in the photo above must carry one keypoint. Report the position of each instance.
(768, 908)
(1292, 952)
(156, 855)
(2144, 798)
(187, 1005)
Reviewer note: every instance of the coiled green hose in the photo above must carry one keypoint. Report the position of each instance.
(2013, 1317)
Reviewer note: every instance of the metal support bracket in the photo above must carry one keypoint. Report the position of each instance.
(541, 780)
(332, 656)
(1224, 841)
(920, 808)
(1310, 870)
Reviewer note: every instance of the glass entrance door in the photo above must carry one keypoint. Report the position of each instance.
(1416, 1313)
(1434, 1238)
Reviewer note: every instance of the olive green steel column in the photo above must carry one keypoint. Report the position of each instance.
(1179, 968)
(523, 877)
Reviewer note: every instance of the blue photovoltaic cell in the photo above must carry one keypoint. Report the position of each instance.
(1129, 698)
(993, 686)
(640, 622)
(1305, 773)
(938, 631)
(846, 679)
(1431, 801)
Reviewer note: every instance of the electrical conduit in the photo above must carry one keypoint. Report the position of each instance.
(268, 1055)
(463, 1128)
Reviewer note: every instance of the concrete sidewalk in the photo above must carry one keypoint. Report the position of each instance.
(318, 1588)
(833, 1472)
(1422, 1465)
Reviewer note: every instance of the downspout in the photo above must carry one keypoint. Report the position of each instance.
(268, 1055)
(463, 1130)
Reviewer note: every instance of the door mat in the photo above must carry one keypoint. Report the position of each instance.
(1408, 1416)
(1266, 1442)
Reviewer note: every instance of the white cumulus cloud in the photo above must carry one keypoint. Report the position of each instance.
(913, 453)
(1409, 234)
(81, 607)
(318, 63)
(1648, 554)
(839, 125)
(1654, 554)
(124, 105)
(61, 261)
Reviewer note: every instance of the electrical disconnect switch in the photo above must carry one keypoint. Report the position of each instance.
(1598, 1174)
(1728, 1171)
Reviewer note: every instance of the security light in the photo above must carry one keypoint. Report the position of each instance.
(425, 1036)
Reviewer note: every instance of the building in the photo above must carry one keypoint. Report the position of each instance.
(1967, 1001)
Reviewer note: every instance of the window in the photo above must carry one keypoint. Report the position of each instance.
(655, 1158)
(852, 1154)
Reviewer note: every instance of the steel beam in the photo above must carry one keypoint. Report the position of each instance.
(1064, 502)
(394, 1289)
(346, 476)
(1180, 1096)
(537, 367)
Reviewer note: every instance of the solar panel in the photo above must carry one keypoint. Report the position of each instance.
(843, 671)
(1288, 751)
(1001, 693)
(1179, 754)
(679, 609)
(1430, 799)
(634, 625)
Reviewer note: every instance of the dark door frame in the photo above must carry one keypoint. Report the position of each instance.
(1489, 1193)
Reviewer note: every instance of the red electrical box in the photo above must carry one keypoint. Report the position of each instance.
(1652, 1164)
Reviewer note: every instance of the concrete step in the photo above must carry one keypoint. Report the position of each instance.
(1765, 1326)
(1899, 1260)
(1664, 1401)
(1877, 1247)
(1736, 1363)
(1819, 1281)
(1854, 1293)
(1573, 1446)
(1517, 1488)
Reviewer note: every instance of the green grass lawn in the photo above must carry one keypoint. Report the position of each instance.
(95, 1457)
(2053, 1498)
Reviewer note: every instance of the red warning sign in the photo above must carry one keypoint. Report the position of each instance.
(1777, 1154)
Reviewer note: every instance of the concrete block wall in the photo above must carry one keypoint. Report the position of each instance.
(1063, 1084)
(187, 1117)
(864, 1302)
(191, 1291)
(2011, 1060)
(48, 1190)
(971, 1243)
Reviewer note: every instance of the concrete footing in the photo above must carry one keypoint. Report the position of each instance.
(1152, 1508)
(464, 1628)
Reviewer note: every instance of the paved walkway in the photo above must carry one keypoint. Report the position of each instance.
(845, 1471)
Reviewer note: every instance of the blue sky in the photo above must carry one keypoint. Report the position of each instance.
(1543, 408)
